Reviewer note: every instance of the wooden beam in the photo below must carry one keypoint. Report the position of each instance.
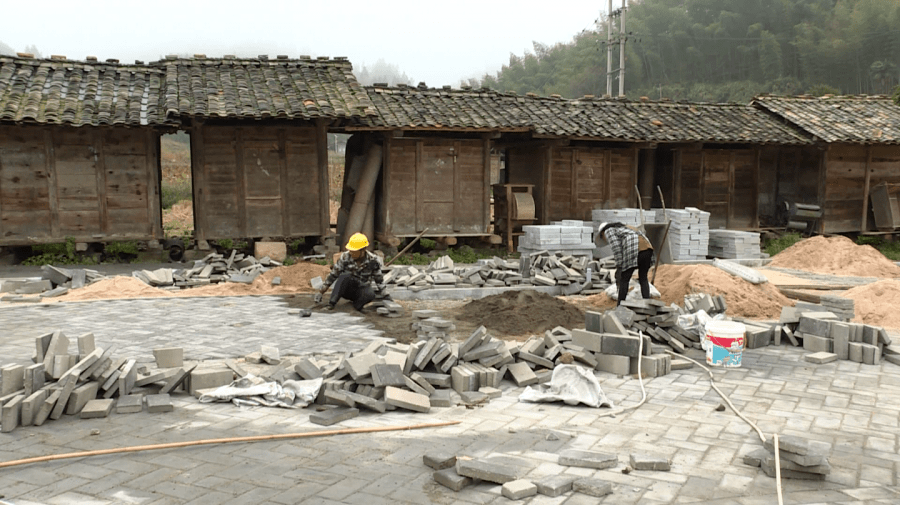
(241, 181)
(198, 178)
(755, 222)
(457, 194)
(799, 295)
(100, 169)
(387, 239)
(822, 197)
(52, 181)
(284, 184)
(322, 154)
(676, 155)
(154, 183)
(486, 200)
(547, 185)
(865, 203)
(729, 214)
(420, 183)
(386, 203)
(573, 183)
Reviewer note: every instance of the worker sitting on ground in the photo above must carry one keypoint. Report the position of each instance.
(632, 250)
(353, 275)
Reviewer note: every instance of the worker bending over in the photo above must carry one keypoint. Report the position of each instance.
(632, 250)
(353, 275)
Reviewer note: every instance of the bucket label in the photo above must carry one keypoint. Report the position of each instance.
(725, 352)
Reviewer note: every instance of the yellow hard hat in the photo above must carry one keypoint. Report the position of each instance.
(357, 241)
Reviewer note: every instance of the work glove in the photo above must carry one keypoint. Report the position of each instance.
(318, 297)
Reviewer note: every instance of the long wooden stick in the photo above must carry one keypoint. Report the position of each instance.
(259, 438)
(407, 247)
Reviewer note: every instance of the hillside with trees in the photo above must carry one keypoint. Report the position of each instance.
(723, 50)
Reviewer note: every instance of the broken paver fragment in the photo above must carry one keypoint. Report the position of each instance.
(587, 459)
(176, 380)
(518, 489)
(439, 460)
(755, 457)
(649, 462)
(450, 479)
(486, 470)
(333, 416)
(555, 485)
(270, 354)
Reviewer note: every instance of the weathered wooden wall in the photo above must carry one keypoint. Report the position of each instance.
(580, 179)
(723, 182)
(259, 181)
(439, 184)
(850, 172)
(90, 184)
(787, 173)
(525, 165)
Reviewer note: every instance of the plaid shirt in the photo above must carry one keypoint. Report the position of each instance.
(368, 270)
(625, 245)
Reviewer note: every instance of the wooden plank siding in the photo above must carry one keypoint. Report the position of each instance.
(439, 184)
(584, 178)
(851, 170)
(90, 184)
(723, 182)
(264, 181)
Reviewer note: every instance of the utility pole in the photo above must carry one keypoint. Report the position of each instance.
(609, 49)
(622, 50)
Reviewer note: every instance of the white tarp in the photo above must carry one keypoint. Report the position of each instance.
(570, 384)
(255, 391)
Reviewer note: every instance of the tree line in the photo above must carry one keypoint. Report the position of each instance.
(723, 50)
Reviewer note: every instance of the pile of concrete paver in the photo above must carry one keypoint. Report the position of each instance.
(830, 339)
(734, 244)
(541, 268)
(214, 268)
(87, 383)
(570, 238)
(799, 458)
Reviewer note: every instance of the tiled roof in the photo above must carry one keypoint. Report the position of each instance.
(60, 91)
(262, 88)
(587, 118)
(855, 119)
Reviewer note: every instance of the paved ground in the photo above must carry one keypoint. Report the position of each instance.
(854, 408)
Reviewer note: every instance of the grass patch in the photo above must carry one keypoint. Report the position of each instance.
(775, 246)
(174, 191)
(57, 254)
(891, 250)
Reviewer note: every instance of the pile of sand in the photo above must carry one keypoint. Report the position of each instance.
(294, 279)
(756, 301)
(877, 303)
(525, 312)
(836, 256)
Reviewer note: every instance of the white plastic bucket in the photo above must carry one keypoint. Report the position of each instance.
(725, 343)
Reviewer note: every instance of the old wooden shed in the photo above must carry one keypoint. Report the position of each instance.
(258, 139)
(79, 151)
(857, 148)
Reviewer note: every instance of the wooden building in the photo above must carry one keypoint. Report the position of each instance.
(857, 149)
(79, 151)
(258, 139)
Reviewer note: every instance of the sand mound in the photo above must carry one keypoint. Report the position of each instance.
(523, 312)
(835, 256)
(877, 303)
(756, 301)
(294, 279)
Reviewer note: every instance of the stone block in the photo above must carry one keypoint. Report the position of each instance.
(59, 344)
(855, 352)
(369, 402)
(755, 457)
(406, 399)
(621, 345)
(768, 467)
(491, 392)
(814, 326)
(789, 443)
(474, 340)
(208, 378)
(789, 315)
(12, 379)
(441, 398)
(840, 337)
(68, 385)
(820, 358)
(153, 378)
(486, 470)
(422, 383)
(592, 487)
(473, 397)
(11, 414)
(464, 379)
(86, 344)
(177, 379)
(270, 354)
(333, 416)
(274, 250)
(555, 485)
(650, 462)
(587, 459)
(388, 375)
(438, 380)
(360, 366)
(537, 360)
(97, 408)
(159, 403)
(80, 396)
(518, 489)
(871, 354)
(522, 374)
(45, 408)
(31, 404)
(128, 376)
(756, 337)
(593, 321)
(589, 340)
(815, 343)
(169, 357)
(439, 460)
(450, 479)
(130, 404)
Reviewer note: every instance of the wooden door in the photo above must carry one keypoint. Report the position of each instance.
(715, 186)
(436, 195)
(262, 189)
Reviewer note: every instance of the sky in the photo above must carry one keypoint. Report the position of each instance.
(437, 43)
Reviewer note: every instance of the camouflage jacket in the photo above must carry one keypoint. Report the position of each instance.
(368, 270)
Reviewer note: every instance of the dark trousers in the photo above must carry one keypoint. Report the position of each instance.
(644, 261)
(351, 288)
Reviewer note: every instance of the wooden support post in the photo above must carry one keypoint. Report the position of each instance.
(865, 204)
(447, 241)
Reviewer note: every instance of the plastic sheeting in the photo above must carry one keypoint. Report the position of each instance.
(634, 292)
(570, 384)
(253, 391)
(746, 273)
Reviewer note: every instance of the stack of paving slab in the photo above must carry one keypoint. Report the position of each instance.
(570, 237)
(212, 269)
(54, 281)
(544, 268)
(630, 217)
(733, 244)
(829, 339)
(843, 308)
(87, 383)
(429, 324)
(689, 234)
(442, 273)
(799, 458)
